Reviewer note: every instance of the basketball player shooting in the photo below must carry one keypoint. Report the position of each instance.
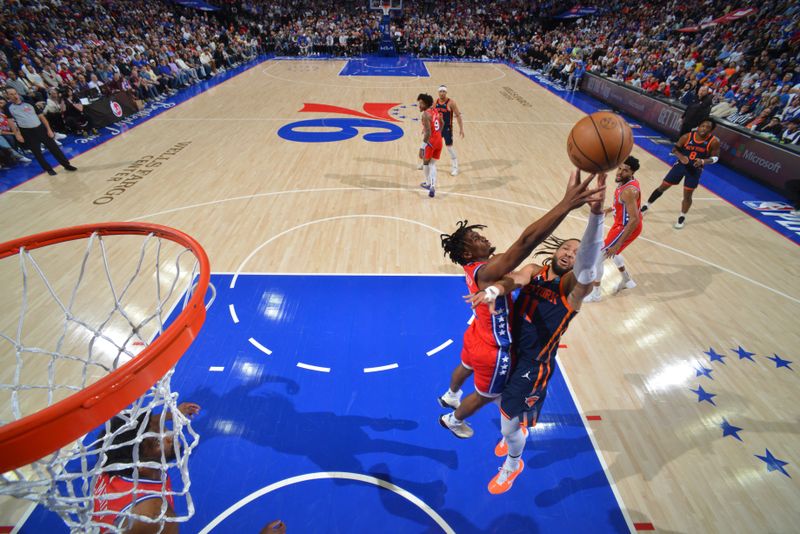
(694, 151)
(550, 297)
(487, 340)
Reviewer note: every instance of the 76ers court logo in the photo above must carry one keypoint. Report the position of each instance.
(116, 109)
(374, 117)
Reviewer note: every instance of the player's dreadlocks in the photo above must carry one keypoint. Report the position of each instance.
(550, 246)
(453, 244)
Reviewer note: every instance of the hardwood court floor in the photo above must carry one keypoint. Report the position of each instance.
(355, 207)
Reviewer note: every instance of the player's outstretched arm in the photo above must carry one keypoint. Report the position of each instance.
(578, 282)
(577, 194)
(504, 286)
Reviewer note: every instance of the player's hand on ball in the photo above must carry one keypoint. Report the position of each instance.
(578, 192)
(597, 199)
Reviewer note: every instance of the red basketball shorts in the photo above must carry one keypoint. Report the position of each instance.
(490, 364)
(433, 150)
(616, 232)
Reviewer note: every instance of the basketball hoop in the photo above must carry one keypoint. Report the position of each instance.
(386, 6)
(93, 363)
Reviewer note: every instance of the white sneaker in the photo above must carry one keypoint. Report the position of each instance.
(450, 401)
(594, 296)
(461, 430)
(23, 159)
(60, 136)
(454, 172)
(625, 284)
(680, 224)
(419, 167)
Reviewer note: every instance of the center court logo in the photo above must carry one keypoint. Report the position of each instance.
(329, 130)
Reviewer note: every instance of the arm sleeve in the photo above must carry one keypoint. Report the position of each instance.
(589, 250)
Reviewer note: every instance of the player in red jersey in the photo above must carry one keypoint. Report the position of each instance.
(432, 142)
(694, 151)
(550, 297)
(487, 340)
(134, 489)
(626, 228)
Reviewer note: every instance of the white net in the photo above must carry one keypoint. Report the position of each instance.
(68, 320)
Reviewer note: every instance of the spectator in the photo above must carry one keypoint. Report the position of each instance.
(698, 111)
(792, 133)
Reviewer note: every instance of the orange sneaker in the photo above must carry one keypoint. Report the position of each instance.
(501, 449)
(503, 480)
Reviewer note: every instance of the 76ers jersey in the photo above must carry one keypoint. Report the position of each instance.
(115, 494)
(541, 316)
(620, 213)
(436, 127)
(491, 329)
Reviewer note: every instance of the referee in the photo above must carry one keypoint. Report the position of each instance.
(32, 129)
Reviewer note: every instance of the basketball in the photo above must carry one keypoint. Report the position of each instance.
(599, 142)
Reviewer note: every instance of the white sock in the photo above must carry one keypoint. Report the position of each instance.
(514, 437)
(426, 171)
(455, 420)
(453, 157)
(683, 214)
(432, 173)
(511, 463)
(451, 392)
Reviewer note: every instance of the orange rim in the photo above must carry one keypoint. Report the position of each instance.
(34, 436)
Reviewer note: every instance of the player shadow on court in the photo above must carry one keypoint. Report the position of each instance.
(333, 442)
(433, 494)
(674, 282)
(672, 444)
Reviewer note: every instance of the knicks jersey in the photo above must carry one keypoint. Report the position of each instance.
(436, 126)
(445, 111)
(115, 494)
(694, 148)
(620, 213)
(541, 316)
(491, 329)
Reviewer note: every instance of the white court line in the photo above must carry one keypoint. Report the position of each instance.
(32, 192)
(465, 195)
(23, 519)
(596, 448)
(440, 347)
(381, 368)
(317, 221)
(322, 476)
(216, 369)
(259, 346)
(426, 83)
(233, 313)
(313, 367)
(708, 198)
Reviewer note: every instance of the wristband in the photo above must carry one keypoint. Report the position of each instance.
(491, 294)
(713, 159)
(423, 145)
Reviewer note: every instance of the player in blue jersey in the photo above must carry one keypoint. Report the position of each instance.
(448, 110)
(694, 151)
(551, 295)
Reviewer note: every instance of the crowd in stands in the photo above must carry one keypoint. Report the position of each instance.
(60, 53)
(751, 66)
